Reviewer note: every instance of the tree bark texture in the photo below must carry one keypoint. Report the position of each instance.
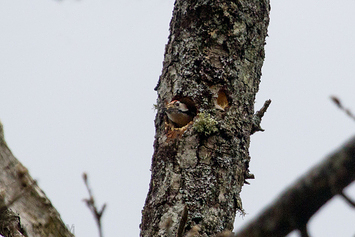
(24, 208)
(293, 209)
(213, 64)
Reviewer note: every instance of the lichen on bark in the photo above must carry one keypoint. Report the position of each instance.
(214, 58)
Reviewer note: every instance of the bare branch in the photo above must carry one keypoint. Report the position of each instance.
(304, 231)
(91, 205)
(348, 200)
(338, 103)
(295, 206)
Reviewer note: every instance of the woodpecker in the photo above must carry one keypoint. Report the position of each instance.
(179, 113)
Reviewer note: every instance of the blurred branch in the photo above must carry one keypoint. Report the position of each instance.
(348, 200)
(296, 205)
(338, 103)
(304, 231)
(91, 204)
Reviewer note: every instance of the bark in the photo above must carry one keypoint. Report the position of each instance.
(24, 208)
(213, 64)
(293, 209)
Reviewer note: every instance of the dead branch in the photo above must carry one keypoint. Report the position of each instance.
(258, 116)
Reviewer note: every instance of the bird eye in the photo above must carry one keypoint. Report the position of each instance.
(177, 103)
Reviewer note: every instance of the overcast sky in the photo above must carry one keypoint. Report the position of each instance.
(76, 94)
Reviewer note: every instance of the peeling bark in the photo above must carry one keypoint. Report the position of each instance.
(24, 208)
(213, 63)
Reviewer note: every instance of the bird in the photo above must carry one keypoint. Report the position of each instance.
(179, 113)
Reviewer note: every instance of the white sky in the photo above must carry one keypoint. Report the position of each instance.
(76, 94)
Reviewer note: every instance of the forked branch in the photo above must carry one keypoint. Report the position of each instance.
(91, 204)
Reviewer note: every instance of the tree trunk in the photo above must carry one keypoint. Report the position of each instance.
(213, 64)
(20, 194)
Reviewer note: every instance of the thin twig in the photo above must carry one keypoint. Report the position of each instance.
(347, 199)
(91, 204)
(338, 103)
